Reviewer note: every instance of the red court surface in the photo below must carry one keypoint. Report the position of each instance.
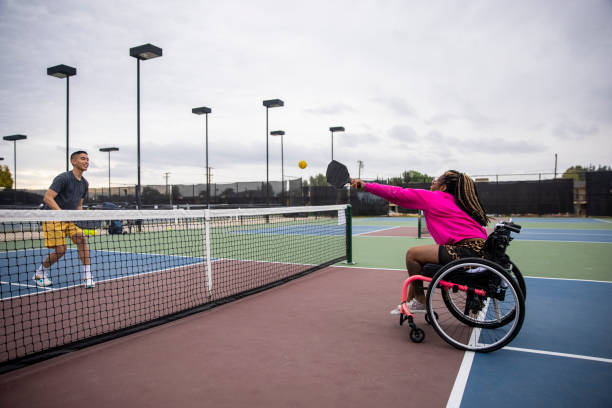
(323, 340)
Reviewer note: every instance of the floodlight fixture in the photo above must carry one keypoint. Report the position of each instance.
(145, 52)
(201, 111)
(273, 103)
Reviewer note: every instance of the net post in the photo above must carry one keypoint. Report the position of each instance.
(349, 235)
(420, 215)
(207, 249)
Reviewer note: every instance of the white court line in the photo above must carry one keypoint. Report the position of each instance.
(550, 231)
(566, 279)
(21, 284)
(526, 277)
(102, 250)
(554, 353)
(48, 289)
(602, 220)
(560, 240)
(456, 395)
(378, 230)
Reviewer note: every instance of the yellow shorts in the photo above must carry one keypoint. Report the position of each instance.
(57, 231)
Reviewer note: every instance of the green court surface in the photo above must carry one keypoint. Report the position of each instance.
(568, 260)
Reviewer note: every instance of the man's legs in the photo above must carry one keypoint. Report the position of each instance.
(41, 276)
(81, 243)
(54, 256)
(54, 239)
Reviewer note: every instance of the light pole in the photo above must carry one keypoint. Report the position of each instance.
(14, 139)
(142, 52)
(270, 103)
(332, 130)
(205, 111)
(64, 71)
(281, 133)
(109, 150)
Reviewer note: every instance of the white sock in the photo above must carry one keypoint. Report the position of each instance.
(87, 271)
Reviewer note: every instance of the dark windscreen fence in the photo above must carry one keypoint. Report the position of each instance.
(527, 197)
(288, 193)
(160, 265)
(599, 193)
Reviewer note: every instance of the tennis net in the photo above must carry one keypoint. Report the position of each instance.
(149, 267)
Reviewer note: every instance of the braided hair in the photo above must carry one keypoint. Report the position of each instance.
(462, 187)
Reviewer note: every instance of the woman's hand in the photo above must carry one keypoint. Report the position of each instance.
(357, 184)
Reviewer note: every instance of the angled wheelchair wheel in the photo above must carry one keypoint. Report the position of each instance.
(479, 306)
(514, 271)
(467, 306)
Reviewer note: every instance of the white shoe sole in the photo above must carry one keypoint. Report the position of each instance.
(398, 311)
(41, 283)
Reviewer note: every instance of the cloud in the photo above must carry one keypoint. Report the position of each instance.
(490, 145)
(567, 130)
(403, 133)
(414, 84)
(398, 105)
(331, 109)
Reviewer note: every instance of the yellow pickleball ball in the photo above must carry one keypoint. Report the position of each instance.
(302, 164)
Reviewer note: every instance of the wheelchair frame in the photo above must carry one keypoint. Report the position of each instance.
(481, 301)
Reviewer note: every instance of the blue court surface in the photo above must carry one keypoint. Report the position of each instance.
(18, 267)
(564, 235)
(518, 220)
(562, 356)
(313, 230)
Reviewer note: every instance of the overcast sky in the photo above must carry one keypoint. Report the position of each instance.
(483, 87)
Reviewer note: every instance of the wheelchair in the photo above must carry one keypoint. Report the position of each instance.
(474, 304)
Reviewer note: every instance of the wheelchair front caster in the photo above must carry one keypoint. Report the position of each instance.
(417, 335)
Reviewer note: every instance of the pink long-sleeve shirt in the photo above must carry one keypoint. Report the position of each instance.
(446, 222)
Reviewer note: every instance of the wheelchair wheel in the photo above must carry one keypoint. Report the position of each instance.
(516, 274)
(467, 306)
(470, 321)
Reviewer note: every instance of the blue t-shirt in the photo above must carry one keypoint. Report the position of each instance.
(69, 189)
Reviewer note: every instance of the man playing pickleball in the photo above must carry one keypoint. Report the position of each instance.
(67, 192)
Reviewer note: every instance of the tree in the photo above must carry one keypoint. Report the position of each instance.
(411, 176)
(578, 172)
(6, 179)
(176, 193)
(318, 180)
(151, 195)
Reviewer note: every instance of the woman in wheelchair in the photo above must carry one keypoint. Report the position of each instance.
(455, 219)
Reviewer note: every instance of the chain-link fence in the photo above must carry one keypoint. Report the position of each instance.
(538, 194)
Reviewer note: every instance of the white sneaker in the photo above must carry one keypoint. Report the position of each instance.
(416, 307)
(89, 282)
(397, 310)
(41, 280)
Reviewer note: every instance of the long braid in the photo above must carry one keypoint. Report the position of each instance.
(463, 189)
